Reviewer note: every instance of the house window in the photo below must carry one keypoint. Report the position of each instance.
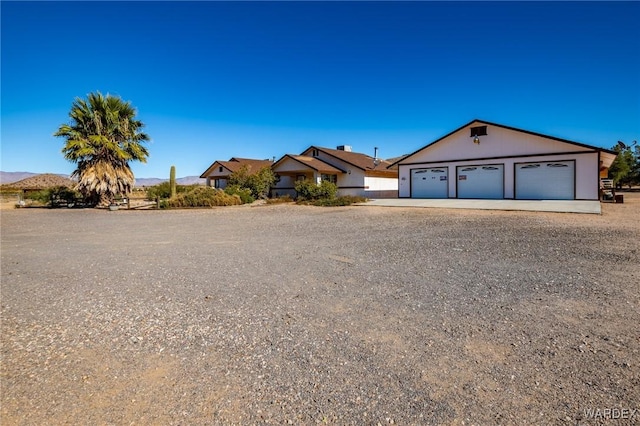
(315, 152)
(220, 169)
(216, 183)
(300, 177)
(478, 131)
(330, 178)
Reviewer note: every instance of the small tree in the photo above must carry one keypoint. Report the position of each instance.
(259, 183)
(102, 138)
(625, 169)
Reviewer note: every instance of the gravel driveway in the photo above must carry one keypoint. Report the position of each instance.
(302, 315)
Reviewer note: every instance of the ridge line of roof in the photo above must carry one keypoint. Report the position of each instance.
(504, 127)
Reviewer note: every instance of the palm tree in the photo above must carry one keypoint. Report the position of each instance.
(102, 138)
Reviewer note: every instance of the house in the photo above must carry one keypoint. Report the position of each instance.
(354, 173)
(492, 161)
(220, 171)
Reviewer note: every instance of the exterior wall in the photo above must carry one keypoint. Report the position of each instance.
(288, 165)
(222, 182)
(379, 187)
(586, 179)
(352, 182)
(217, 174)
(499, 142)
(380, 184)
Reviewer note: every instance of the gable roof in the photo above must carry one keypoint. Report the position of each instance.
(311, 163)
(235, 163)
(361, 161)
(477, 121)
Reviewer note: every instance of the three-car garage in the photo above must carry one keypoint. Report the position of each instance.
(483, 160)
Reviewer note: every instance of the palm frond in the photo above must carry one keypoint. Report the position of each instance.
(102, 138)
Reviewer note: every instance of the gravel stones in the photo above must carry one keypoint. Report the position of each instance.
(300, 315)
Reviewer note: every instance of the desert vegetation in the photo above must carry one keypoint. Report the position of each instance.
(102, 138)
(324, 194)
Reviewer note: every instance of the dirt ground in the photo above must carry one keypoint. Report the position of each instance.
(284, 314)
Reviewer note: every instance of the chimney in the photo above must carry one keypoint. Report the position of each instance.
(346, 148)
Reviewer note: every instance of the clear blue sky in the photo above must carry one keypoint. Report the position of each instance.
(212, 80)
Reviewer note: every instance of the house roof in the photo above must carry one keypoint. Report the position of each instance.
(361, 161)
(477, 121)
(310, 163)
(235, 163)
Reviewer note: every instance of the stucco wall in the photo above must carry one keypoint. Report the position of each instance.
(380, 184)
(586, 173)
(499, 142)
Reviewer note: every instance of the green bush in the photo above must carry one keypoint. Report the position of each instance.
(244, 193)
(61, 195)
(43, 196)
(258, 183)
(56, 196)
(163, 190)
(204, 196)
(308, 190)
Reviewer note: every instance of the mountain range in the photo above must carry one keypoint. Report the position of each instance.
(10, 177)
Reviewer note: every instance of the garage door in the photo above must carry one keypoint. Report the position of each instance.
(486, 181)
(548, 180)
(429, 183)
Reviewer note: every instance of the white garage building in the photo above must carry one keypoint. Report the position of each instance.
(485, 160)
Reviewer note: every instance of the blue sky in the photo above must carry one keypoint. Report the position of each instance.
(212, 80)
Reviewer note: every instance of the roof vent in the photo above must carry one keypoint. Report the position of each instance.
(346, 148)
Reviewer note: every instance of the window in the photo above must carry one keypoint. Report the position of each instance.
(315, 152)
(330, 178)
(220, 169)
(216, 183)
(478, 131)
(300, 177)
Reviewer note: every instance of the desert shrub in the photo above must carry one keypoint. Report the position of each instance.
(244, 193)
(345, 200)
(203, 196)
(258, 183)
(56, 196)
(61, 195)
(279, 200)
(308, 190)
(42, 196)
(163, 190)
(328, 190)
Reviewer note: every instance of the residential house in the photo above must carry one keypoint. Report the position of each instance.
(354, 173)
(218, 173)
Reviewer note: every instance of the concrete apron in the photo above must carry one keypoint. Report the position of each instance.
(558, 206)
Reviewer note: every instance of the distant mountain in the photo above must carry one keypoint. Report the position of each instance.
(42, 181)
(188, 180)
(11, 177)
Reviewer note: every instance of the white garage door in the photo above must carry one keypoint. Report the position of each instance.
(429, 183)
(486, 181)
(547, 180)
